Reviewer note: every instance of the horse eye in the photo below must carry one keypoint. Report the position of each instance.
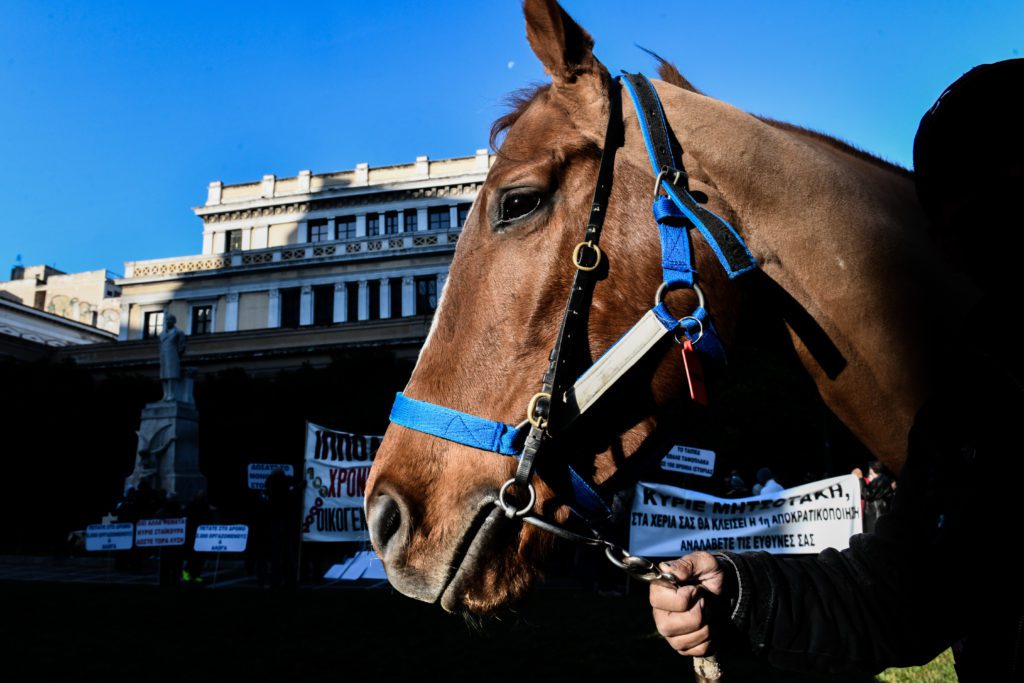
(517, 205)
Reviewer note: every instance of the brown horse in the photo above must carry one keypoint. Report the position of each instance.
(840, 232)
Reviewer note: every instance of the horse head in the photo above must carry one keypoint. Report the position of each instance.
(431, 502)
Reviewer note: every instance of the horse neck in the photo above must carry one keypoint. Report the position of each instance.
(844, 237)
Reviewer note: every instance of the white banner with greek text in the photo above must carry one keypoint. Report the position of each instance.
(336, 467)
(109, 536)
(689, 460)
(221, 538)
(160, 532)
(259, 471)
(669, 522)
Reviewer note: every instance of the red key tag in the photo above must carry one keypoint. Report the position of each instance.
(694, 374)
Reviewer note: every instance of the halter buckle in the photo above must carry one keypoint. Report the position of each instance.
(673, 174)
(578, 251)
(538, 421)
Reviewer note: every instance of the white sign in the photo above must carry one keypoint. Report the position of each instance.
(109, 536)
(363, 565)
(221, 538)
(689, 460)
(259, 471)
(336, 467)
(160, 532)
(669, 522)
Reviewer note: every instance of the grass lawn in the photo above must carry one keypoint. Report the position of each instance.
(56, 632)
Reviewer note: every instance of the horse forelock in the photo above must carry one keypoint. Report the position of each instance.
(517, 101)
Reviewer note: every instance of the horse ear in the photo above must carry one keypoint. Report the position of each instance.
(564, 48)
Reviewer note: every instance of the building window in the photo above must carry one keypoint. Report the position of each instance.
(440, 218)
(395, 287)
(319, 231)
(391, 223)
(346, 227)
(352, 294)
(373, 300)
(202, 319)
(426, 295)
(372, 224)
(40, 299)
(233, 240)
(152, 324)
(410, 220)
(463, 210)
(290, 301)
(323, 304)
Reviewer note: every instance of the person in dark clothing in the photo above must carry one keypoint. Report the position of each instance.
(877, 494)
(935, 572)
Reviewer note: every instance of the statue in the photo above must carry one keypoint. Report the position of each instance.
(172, 348)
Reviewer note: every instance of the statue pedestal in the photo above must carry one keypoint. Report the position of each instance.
(168, 452)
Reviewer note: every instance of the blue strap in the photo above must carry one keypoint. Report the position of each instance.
(452, 425)
(735, 260)
(676, 259)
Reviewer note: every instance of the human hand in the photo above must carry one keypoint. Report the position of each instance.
(857, 472)
(680, 612)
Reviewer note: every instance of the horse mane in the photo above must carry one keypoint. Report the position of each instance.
(519, 100)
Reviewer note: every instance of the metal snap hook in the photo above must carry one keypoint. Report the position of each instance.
(510, 510)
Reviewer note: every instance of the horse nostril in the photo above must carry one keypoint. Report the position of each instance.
(385, 520)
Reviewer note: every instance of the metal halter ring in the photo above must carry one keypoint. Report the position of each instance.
(510, 510)
(577, 252)
(659, 297)
(538, 422)
(700, 332)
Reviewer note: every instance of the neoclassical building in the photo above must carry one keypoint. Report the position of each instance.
(292, 269)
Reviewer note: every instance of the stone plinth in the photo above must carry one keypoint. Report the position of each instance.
(168, 451)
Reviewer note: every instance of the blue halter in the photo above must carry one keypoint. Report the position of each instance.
(675, 213)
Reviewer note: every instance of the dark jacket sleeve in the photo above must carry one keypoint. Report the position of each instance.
(929, 574)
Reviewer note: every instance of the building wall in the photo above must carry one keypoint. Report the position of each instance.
(282, 234)
(252, 310)
(88, 297)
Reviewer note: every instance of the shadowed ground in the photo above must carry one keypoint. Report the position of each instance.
(82, 631)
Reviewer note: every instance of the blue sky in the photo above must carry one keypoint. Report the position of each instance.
(114, 116)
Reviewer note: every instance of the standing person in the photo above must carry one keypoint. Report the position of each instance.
(766, 483)
(197, 512)
(876, 494)
(937, 571)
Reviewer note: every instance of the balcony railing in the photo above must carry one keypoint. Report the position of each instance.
(358, 247)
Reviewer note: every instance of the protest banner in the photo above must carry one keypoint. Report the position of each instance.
(150, 533)
(109, 536)
(259, 471)
(668, 522)
(336, 467)
(221, 538)
(689, 460)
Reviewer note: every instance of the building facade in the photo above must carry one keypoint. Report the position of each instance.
(91, 297)
(292, 269)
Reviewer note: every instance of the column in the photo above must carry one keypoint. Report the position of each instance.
(306, 306)
(441, 279)
(207, 242)
(364, 300)
(421, 219)
(274, 308)
(231, 313)
(453, 220)
(303, 234)
(340, 302)
(219, 242)
(408, 296)
(122, 333)
(361, 225)
(246, 239)
(332, 230)
(385, 298)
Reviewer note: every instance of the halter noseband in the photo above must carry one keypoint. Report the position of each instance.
(675, 212)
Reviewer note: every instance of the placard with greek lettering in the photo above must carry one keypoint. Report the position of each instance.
(259, 471)
(150, 533)
(221, 538)
(667, 521)
(109, 536)
(689, 460)
(336, 467)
